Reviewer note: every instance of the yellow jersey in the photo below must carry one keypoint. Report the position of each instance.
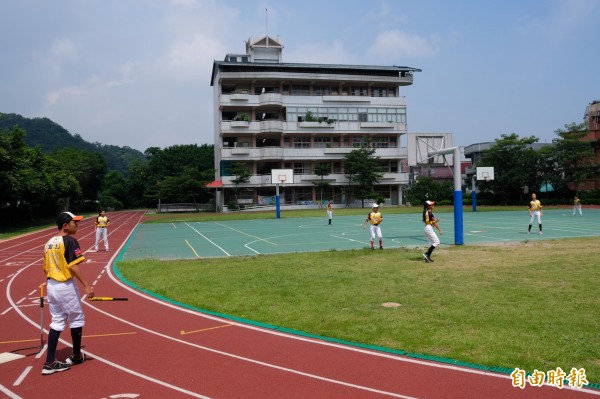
(60, 253)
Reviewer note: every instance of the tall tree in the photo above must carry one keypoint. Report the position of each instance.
(362, 168)
(574, 156)
(322, 169)
(516, 166)
(242, 175)
(87, 167)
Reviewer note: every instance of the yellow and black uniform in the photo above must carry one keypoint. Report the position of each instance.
(62, 257)
(60, 253)
(374, 219)
(577, 206)
(535, 211)
(430, 222)
(102, 223)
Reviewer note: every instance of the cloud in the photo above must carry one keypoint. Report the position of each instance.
(394, 44)
(321, 53)
(54, 97)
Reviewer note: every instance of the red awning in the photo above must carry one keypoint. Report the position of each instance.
(215, 184)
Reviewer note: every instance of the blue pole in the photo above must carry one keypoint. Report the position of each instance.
(474, 200)
(277, 203)
(458, 218)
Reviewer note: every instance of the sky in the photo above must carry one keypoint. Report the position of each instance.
(137, 73)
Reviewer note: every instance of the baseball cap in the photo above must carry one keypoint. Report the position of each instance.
(66, 217)
(430, 202)
(375, 206)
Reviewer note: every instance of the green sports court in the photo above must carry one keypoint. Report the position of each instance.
(190, 240)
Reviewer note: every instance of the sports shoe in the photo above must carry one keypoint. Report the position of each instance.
(54, 367)
(380, 247)
(73, 359)
(427, 260)
(541, 233)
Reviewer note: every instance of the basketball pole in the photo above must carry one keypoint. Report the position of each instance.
(458, 197)
(474, 194)
(277, 202)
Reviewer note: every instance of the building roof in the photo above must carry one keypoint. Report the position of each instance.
(391, 71)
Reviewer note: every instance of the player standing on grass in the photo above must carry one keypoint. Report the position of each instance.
(535, 211)
(430, 222)
(375, 219)
(62, 256)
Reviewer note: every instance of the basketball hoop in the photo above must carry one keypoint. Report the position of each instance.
(282, 179)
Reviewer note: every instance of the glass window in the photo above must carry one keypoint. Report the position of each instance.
(301, 142)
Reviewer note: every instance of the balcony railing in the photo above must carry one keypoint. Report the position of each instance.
(308, 179)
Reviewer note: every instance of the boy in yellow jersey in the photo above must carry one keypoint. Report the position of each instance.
(535, 211)
(62, 256)
(375, 219)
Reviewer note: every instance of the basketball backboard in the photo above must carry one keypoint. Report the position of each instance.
(485, 173)
(282, 176)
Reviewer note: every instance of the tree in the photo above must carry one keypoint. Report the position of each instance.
(322, 169)
(87, 167)
(427, 188)
(516, 167)
(242, 175)
(574, 157)
(362, 168)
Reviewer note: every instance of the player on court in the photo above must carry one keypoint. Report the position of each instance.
(430, 222)
(375, 219)
(329, 211)
(535, 211)
(62, 256)
(577, 206)
(101, 230)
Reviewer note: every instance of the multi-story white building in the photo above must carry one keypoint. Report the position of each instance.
(275, 115)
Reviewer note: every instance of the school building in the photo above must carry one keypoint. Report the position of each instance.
(269, 114)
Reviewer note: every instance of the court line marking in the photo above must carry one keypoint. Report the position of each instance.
(192, 248)
(246, 234)
(207, 239)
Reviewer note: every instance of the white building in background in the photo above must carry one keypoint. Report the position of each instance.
(274, 115)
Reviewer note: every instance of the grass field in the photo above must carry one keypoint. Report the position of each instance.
(532, 305)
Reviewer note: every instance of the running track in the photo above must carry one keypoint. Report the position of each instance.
(145, 348)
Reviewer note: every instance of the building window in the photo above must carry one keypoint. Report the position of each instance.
(300, 90)
(358, 142)
(336, 167)
(299, 168)
(321, 90)
(380, 142)
(322, 142)
(360, 90)
(301, 142)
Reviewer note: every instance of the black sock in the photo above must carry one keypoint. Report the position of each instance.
(53, 337)
(529, 228)
(430, 250)
(76, 338)
(540, 227)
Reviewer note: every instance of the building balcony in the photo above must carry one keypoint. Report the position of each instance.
(269, 126)
(317, 125)
(270, 99)
(304, 180)
(303, 154)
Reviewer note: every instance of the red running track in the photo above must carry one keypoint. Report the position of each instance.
(146, 348)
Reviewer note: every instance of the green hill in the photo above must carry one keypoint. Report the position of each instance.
(50, 136)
